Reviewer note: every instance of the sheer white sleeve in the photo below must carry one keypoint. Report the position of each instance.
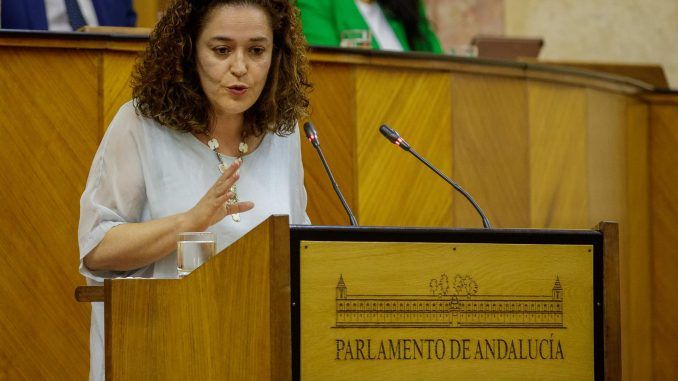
(115, 192)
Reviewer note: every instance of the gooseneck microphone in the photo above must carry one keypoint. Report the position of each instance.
(312, 136)
(396, 139)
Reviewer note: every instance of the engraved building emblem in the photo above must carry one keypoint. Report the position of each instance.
(455, 305)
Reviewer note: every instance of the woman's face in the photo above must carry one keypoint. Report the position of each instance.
(233, 56)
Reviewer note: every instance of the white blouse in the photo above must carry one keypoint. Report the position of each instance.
(144, 171)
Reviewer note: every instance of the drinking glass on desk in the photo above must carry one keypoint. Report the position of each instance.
(356, 38)
(464, 51)
(194, 249)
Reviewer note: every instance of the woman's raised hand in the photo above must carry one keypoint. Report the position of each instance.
(214, 206)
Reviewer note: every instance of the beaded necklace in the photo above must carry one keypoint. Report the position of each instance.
(213, 143)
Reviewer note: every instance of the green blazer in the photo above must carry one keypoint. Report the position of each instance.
(324, 20)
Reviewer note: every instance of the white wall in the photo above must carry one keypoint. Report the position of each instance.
(624, 31)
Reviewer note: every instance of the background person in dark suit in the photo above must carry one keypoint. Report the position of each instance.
(65, 15)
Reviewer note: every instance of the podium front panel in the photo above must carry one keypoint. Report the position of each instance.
(403, 304)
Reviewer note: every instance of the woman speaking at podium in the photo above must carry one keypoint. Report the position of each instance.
(209, 142)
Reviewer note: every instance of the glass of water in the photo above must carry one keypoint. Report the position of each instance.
(194, 249)
(356, 38)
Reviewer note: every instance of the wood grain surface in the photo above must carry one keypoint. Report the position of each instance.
(558, 156)
(648, 73)
(49, 104)
(664, 210)
(612, 327)
(116, 90)
(635, 269)
(490, 152)
(606, 144)
(333, 114)
(227, 320)
(148, 11)
(393, 187)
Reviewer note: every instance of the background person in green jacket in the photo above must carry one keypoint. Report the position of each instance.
(399, 25)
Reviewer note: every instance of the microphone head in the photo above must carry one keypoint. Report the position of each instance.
(394, 137)
(389, 133)
(311, 133)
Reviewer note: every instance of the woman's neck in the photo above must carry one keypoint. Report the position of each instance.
(227, 127)
(228, 130)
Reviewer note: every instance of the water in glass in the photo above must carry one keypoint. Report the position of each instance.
(192, 252)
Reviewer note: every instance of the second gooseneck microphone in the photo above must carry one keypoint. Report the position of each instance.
(312, 136)
(396, 139)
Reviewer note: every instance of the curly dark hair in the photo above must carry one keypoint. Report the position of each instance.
(166, 86)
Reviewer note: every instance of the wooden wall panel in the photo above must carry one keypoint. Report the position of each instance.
(664, 238)
(51, 123)
(203, 327)
(49, 108)
(333, 114)
(148, 11)
(637, 341)
(606, 143)
(491, 155)
(558, 156)
(116, 74)
(394, 188)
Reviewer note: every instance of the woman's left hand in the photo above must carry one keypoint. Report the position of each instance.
(214, 206)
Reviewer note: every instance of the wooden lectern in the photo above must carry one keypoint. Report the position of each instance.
(371, 303)
(227, 320)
